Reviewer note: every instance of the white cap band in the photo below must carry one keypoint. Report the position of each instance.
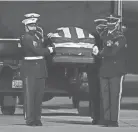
(32, 15)
(29, 21)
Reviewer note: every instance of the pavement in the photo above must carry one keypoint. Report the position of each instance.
(59, 116)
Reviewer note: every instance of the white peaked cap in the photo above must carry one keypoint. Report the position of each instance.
(100, 20)
(32, 15)
(29, 21)
(101, 25)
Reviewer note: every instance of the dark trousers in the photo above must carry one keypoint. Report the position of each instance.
(33, 94)
(94, 95)
(111, 90)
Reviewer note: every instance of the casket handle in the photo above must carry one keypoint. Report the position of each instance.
(71, 54)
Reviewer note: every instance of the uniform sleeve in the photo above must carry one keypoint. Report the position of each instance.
(102, 31)
(106, 51)
(117, 46)
(28, 41)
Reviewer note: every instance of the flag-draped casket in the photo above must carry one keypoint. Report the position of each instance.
(72, 45)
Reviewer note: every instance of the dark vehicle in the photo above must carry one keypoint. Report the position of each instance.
(78, 14)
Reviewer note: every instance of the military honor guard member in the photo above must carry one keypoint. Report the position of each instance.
(112, 70)
(34, 70)
(93, 74)
(94, 84)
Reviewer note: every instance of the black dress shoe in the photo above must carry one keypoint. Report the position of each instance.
(104, 123)
(38, 123)
(113, 124)
(95, 122)
(30, 124)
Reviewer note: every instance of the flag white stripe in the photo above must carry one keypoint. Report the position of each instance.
(80, 32)
(56, 35)
(66, 31)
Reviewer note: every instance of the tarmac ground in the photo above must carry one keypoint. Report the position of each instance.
(59, 115)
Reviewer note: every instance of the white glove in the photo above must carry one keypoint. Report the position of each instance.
(50, 35)
(42, 40)
(95, 50)
(51, 49)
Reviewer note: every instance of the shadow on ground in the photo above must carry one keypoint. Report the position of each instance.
(59, 114)
(47, 114)
(127, 106)
(55, 107)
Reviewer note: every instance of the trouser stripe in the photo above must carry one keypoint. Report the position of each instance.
(120, 94)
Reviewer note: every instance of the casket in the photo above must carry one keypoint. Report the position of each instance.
(73, 45)
(76, 55)
(10, 49)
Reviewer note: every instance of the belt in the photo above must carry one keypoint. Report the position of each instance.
(34, 58)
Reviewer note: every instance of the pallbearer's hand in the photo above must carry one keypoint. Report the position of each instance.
(50, 35)
(95, 50)
(42, 40)
(51, 49)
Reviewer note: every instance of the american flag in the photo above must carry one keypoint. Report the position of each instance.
(72, 37)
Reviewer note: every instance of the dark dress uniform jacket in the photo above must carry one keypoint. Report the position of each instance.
(33, 47)
(114, 57)
(34, 73)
